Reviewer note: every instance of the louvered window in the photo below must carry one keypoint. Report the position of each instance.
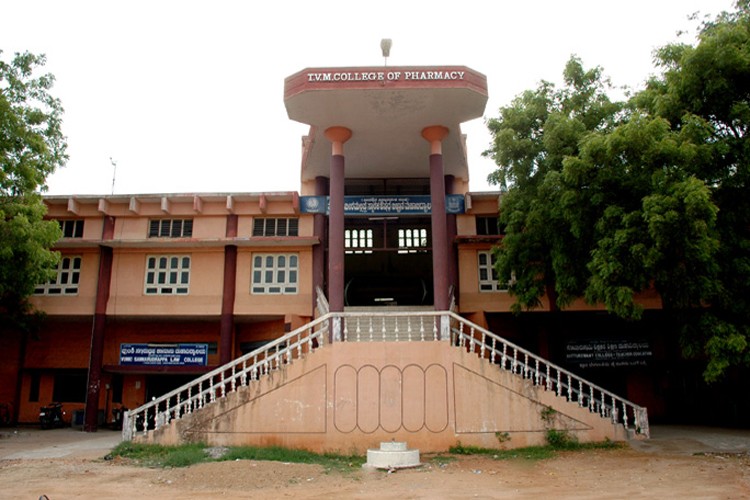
(266, 226)
(170, 228)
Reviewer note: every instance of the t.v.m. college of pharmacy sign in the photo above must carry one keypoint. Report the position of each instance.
(381, 76)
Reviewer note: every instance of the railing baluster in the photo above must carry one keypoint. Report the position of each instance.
(580, 392)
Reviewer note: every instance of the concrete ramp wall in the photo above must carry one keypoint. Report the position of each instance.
(348, 397)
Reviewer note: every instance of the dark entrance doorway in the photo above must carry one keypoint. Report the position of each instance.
(388, 261)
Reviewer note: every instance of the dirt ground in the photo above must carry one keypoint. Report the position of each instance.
(66, 464)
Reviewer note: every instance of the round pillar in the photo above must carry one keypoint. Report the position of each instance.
(440, 268)
(338, 136)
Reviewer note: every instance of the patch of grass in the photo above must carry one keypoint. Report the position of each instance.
(535, 452)
(330, 461)
(153, 455)
(442, 459)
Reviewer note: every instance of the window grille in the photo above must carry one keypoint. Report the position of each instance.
(66, 281)
(412, 240)
(358, 241)
(167, 275)
(275, 273)
(488, 280)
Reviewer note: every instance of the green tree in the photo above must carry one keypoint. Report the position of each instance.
(647, 193)
(541, 251)
(32, 146)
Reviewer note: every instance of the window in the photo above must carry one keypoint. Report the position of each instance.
(34, 386)
(275, 273)
(66, 280)
(72, 228)
(358, 240)
(487, 226)
(275, 227)
(167, 274)
(488, 281)
(170, 228)
(412, 240)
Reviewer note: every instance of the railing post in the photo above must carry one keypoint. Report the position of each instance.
(445, 327)
(335, 331)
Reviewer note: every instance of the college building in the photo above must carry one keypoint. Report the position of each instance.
(155, 290)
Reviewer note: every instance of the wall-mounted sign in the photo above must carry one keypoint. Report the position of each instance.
(598, 353)
(164, 354)
(382, 205)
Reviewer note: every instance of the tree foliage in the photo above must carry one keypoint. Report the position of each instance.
(32, 146)
(605, 200)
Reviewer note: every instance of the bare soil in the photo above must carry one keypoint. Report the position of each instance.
(70, 469)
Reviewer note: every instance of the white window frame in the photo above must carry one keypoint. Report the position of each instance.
(357, 241)
(412, 240)
(66, 280)
(167, 275)
(274, 274)
(488, 280)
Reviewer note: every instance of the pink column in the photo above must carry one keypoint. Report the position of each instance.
(98, 330)
(319, 231)
(338, 136)
(440, 268)
(226, 325)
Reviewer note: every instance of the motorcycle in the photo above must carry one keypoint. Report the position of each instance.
(117, 414)
(51, 416)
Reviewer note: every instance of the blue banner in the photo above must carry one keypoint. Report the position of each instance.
(382, 205)
(164, 354)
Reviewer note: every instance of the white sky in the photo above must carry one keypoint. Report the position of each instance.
(187, 96)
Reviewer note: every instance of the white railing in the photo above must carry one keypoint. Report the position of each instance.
(416, 326)
(549, 376)
(226, 379)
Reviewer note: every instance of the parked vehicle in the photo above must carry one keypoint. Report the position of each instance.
(51, 416)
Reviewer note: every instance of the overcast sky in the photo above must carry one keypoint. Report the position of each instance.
(187, 96)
